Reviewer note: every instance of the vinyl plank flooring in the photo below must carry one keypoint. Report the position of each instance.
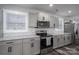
(72, 49)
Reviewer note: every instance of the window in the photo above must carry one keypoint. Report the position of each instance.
(14, 21)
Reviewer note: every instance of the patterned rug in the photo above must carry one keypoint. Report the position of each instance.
(68, 50)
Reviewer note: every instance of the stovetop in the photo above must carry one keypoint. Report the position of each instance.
(44, 35)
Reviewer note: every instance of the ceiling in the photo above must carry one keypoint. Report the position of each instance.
(58, 9)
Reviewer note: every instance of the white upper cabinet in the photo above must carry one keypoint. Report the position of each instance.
(33, 17)
(15, 21)
(43, 17)
(61, 23)
(54, 22)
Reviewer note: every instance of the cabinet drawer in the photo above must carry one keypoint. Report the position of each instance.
(26, 40)
(10, 42)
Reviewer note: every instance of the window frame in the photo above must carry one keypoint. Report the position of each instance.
(5, 11)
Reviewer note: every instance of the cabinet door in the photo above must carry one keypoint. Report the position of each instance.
(11, 48)
(67, 39)
(37, 46)
(61, 40)
(26, 47)
(32, 46)
(55, 42)
(58, 41)
(17, 47)
(33, 17)
(54, 22)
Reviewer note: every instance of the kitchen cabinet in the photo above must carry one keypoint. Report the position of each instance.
(36, 48)
(58, 41)
(31, 46)
(61, 40)
(67, 39)
(26, 47)
(33, 17)
(54, 22)
(55, 41)
(11, 47)
(43, 16)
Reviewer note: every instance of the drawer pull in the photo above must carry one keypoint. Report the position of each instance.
(32, 44)
(9, 42)
(58, 40)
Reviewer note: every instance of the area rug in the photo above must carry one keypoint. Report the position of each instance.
(68, 50)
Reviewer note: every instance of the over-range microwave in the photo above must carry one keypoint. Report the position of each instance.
(43, 24)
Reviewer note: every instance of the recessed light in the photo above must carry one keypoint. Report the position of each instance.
(50, 5)
(69, 11)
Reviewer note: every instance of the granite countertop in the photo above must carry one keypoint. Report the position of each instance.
(60, 33)
(25, 36)
(17, 37)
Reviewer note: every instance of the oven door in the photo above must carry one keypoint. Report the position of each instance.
(43, 42)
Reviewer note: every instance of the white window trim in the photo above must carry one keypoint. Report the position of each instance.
(5, 11)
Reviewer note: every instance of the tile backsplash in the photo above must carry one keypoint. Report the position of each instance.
(32, 31)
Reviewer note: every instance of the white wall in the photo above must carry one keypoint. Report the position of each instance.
(11, 7)
(31, 30)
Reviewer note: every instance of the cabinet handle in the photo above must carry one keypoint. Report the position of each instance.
(9, 49)
(32, 44)
(9, 42)
(58, 40)
(64, 39)
(32, 40)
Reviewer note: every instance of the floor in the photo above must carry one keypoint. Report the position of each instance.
(71, 49)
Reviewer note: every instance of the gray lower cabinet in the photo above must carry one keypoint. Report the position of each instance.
(67, 39)
(36, 46)
(26, 47)
(55, 41)
(31, 46)
(58, 41)
(61, 40)
(11, 47)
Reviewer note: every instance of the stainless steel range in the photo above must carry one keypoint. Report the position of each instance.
(46, 39)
